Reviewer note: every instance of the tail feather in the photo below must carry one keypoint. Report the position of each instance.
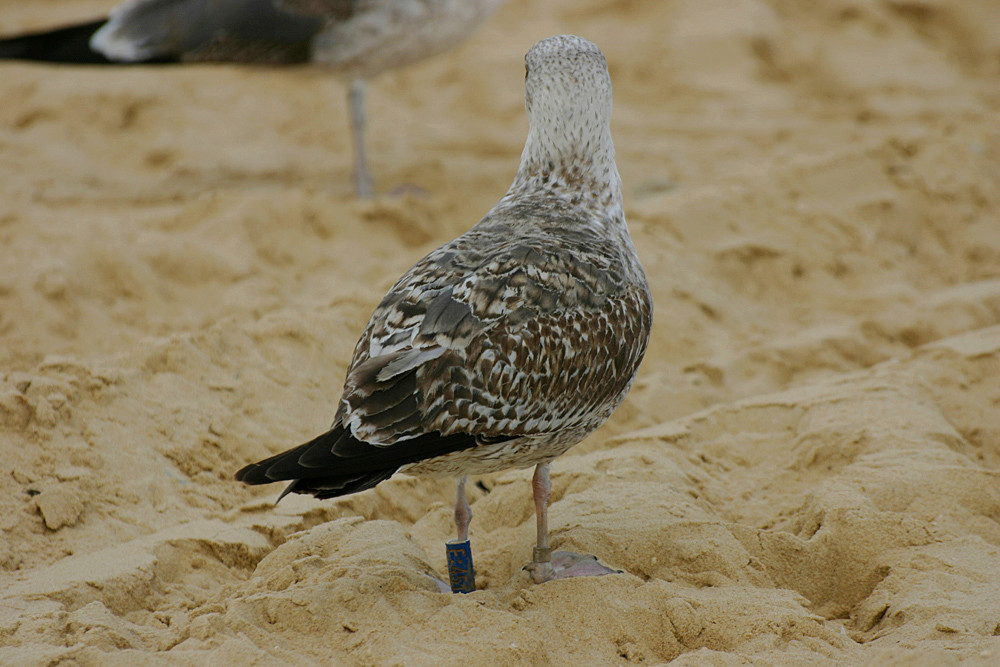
(334, 487)
(336, 463)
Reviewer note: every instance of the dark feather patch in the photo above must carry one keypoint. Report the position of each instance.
(394, 415)
(339, 487)
(336, 463)
(444, 314)
(390, 394)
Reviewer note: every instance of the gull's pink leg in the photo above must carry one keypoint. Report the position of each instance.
(461, 574)
(463, 513)
(546, 565)
(541, 557)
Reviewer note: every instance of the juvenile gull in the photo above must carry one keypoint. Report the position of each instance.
(508, 345)
(356, 38)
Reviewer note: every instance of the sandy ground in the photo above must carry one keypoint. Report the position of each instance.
(807, 471)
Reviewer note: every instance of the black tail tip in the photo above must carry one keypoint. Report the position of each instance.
(63, 45)
(251, 474)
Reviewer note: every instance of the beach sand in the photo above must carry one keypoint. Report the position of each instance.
(806, 472)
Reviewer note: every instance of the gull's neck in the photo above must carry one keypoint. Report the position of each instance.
(571, 162)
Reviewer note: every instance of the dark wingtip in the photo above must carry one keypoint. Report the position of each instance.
(256, 474)
(63, 45)
(335, 464)
(251, 475)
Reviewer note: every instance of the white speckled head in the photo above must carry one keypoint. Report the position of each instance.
(568, 97)
(566, 80)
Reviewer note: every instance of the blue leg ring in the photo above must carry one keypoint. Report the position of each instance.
(461, 572)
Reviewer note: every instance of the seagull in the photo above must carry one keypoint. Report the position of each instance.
(510, 344)
(356, 38)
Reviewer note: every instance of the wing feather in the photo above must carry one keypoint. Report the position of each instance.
(490, 338)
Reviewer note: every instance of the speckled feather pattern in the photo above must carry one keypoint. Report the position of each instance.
(513, 342)
(531, 326)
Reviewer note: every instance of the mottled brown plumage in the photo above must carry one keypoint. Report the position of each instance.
(508, 345)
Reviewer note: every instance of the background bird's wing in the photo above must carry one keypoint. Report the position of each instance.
(209, 30)
(170, 31)
(69, 44)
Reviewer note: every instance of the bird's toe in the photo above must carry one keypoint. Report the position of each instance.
(566, 564)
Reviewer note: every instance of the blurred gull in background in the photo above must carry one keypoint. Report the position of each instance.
(355, 38)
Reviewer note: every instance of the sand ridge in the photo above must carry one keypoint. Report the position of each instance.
(806, 472)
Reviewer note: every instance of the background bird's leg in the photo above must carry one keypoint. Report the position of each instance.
(463, 513)
(362, 179)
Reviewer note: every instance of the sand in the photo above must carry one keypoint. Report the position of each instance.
(806, 472)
